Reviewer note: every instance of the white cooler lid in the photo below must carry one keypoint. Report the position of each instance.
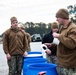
(33, 55)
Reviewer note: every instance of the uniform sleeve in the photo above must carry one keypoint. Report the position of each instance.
(29, 39)
(5, 43)
(25, 43)
(69, 41)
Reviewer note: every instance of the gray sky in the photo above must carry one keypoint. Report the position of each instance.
(30, 10)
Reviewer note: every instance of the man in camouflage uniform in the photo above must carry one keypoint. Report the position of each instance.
(28, 36)
(15, 47)
(66, 50)
(52, 48)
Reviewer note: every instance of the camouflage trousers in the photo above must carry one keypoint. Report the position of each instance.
(67, 71)
(15, 65)
(53, 59)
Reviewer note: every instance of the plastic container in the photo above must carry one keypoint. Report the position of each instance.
(28, 62)
(44, 48)
(34, 69)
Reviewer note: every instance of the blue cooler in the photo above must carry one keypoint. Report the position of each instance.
(35, 68)
(27, 62)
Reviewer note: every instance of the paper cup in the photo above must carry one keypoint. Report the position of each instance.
(56, 41)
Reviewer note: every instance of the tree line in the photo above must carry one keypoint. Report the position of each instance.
(36, 28)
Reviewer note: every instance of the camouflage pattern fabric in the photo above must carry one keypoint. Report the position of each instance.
(53, 59)
(15, 65)
(67, 71)
(60, 70)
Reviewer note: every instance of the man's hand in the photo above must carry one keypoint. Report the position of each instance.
(8, 56)
(55, 35)
(25, 54)
(48, 51)
(48, 44)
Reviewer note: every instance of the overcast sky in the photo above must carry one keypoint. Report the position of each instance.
(30, 10)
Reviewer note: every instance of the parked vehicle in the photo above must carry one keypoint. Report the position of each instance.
(36, 37)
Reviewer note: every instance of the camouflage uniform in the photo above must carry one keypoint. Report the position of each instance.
(16, 67)
(67, 71)
(48, 38)
(66, 50)
(14, 45)
(28, 36)
(28, 40)
(53, 59)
